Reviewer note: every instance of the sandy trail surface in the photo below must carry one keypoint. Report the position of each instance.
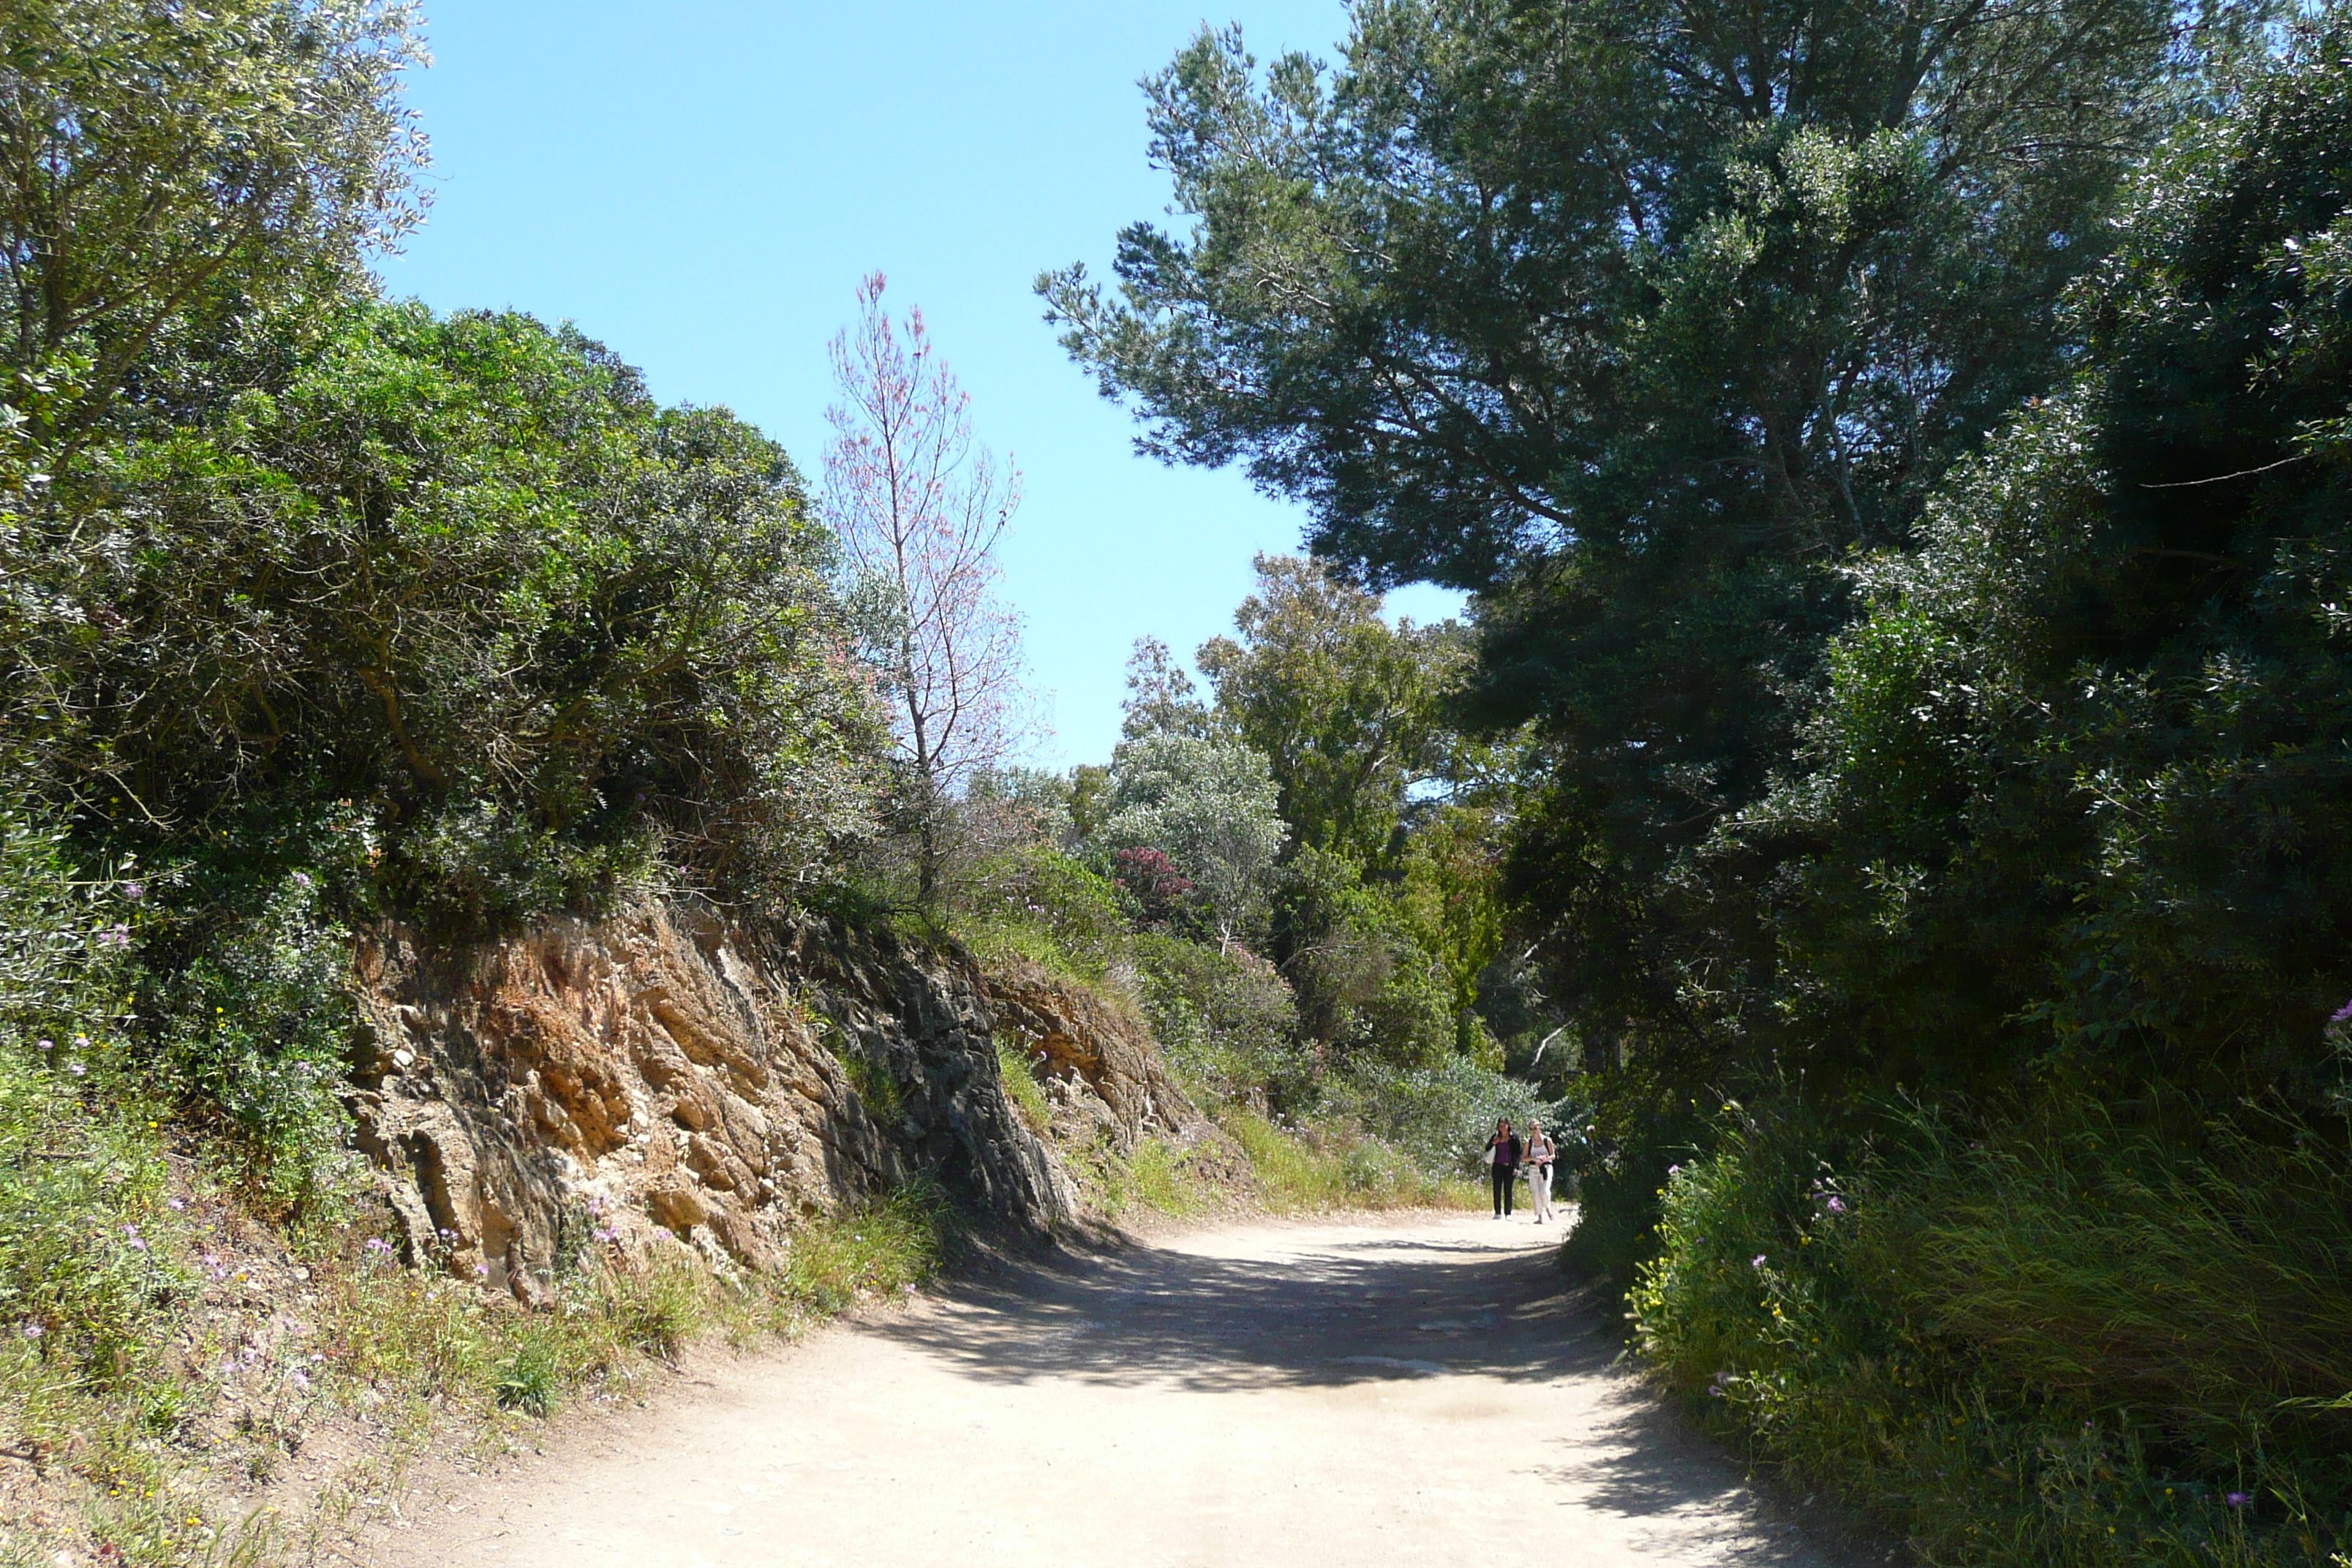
(1394, 1391)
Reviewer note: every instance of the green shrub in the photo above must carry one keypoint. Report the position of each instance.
(1021, 1087)
(1047, 907)
(530, 1379)
(2069, 1340)
(477, 866)
(1366, 991)
(464, 571)
(84, 1230)
(256, 1036)
(1635, 1128)
(1227, 1022)
(1442, 1116)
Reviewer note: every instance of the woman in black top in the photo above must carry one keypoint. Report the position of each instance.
(1503, 1152)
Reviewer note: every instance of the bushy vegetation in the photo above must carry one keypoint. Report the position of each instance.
(2076, 1337)
(317, 609)
(81, 1171)
(1295, 884)
(1906, 510)
(2078, 778)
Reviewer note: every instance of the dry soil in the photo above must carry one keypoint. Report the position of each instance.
(1410, 1390)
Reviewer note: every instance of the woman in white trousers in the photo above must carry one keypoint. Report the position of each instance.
(1540, 1158)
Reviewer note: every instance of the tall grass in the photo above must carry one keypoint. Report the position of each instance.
(2066, 1341)
(1338, 1167)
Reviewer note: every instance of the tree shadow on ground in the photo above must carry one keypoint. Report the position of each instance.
(1345, 1310)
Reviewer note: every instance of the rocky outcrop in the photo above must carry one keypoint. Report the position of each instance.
(1106, 1081)
(666, 1078)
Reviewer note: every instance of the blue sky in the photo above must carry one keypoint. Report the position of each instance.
(700, 184)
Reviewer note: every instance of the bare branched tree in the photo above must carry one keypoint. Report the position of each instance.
(920, 508)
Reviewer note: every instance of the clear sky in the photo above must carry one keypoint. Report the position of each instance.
(700, 184)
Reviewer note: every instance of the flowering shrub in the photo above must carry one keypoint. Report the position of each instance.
(1160, 891)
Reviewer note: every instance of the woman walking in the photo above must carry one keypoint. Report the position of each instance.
(1540, 1157)
(1503, 1152)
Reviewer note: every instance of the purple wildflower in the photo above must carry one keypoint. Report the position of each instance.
(2239, 1500)
(1836, 1204)
(1721, 1385)
(76, 1068)
(138, 1242)
(31, 1331)
(49, 1045)
(2342, 1015)
(303, 880)
(134, 891)
(481, 1271)
(1756, 1262)
(176, 1204)
(300, 1378)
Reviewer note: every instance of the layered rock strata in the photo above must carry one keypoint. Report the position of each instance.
(666, 1078)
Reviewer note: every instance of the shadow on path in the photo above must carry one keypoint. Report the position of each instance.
(1336, 1309)
(1343, 1310)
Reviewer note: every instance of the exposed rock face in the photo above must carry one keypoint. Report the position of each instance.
(1105, 1078)
(669, 1078)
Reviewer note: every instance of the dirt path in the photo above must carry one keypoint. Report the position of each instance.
(1411, 1391)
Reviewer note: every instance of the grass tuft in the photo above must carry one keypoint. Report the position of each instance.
(1022, 1088)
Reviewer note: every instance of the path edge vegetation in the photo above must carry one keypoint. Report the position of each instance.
(1927, 831)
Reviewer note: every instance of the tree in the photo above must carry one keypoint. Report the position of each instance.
(1635, 318)
(1347, 711)
(1518, 278)
(165, 170)
(2078, 800)
(1366, 988)
(920, 509)
(1161, 697)
(1209, 805)
(1449, 896)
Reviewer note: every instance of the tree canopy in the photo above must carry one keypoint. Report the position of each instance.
(1643, 323)
(1349, 712)
(2078, 789)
